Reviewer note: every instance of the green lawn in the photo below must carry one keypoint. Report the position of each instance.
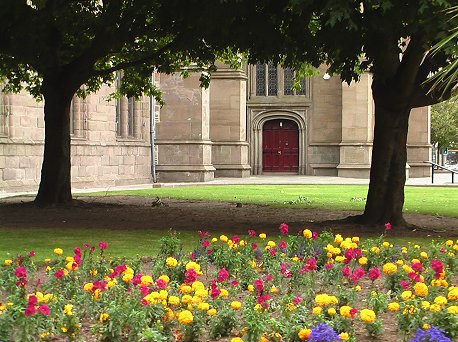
(427, 200)
(130, 243)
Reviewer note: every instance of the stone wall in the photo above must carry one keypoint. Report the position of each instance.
(99, 158)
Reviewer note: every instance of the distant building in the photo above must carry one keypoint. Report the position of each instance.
(248, 122)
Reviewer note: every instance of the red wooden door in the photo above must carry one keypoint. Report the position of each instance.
(280, 140)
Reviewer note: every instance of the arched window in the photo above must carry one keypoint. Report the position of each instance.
(128, 114)
(78, 117)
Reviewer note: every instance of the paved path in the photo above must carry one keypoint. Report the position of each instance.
(440, 179)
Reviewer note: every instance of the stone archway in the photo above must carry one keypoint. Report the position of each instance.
(258, 121)
(280, 146)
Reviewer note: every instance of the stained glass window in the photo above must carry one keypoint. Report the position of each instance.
(288, 81)
(260, 80)
(272, 80)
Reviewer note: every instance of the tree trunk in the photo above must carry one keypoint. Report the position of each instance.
(55, 185)
(385, 198)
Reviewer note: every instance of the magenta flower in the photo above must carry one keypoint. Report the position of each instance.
(404, 284)
(259, 284)
(252, 232)
(103, 245)
(30, 310)
(31, 254)
(161, 284)
(223, 274)
(43, 309)
(297, 300)
(282, 244)
(388, 226)
(205, 243)
(345, 271)
(284, 229)
(190, 276)
(374, 274)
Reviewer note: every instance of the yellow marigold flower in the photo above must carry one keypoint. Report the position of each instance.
(424, 255)
(201, 293)
(104, 317)
(404, 250)
(416, 246)
(68, 309)
(171, 262)
(358, 288)
(386, 244)
(375, 250)
(307, 233)
(453, 310)
(444, 283)
(214, 240)
(204, 306)
(223, 238)
(304, 334)
(407, 269)
(345, 311)
(58, 251)
(393, 307)
(449, 243)
(185, 288)
(329, 255)
(440, 300)
(93, 272)
(367, 315)
(165, 278)
(271, 244)
(344, 336)
(242, 243)
(236, 339)
(362, 261)
(186, 299)
(224, 293)
(338, 239)
(317, 310)
(174, 300)
(420, 289)
(195, 266)
(8, 262)
(426, 326)
(212, 312)
(340, 258)
(435, 308)
(197, 285)
(273, 289)
(425, 305)
(406, 295)
(291, 307)
(236, 305)
(185, 317)
(390, 268)
(146, 280)
(452, 293)
(262, 236)
(257, 307)
(263, 338)
(64, 329)
(127, 277)
(88, 287)
(355, 239)
(331, 311)
(251, 288)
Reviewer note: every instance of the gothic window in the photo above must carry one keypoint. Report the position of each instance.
(129, 112)
(270, 80)
(78, 117)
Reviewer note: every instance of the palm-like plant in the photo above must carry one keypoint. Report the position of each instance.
(447, 78)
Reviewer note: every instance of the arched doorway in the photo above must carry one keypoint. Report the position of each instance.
(280, 146)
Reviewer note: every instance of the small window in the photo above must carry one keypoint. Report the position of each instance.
(271, 80)
(4, 114)
(128, 114)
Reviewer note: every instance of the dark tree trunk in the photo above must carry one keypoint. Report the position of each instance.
(385, 198)
(55, 185)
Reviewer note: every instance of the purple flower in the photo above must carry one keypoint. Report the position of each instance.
(432, 334)
(323, 333)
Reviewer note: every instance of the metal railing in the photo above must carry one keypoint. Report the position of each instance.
(434, 165)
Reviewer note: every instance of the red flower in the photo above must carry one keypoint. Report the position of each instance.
(282, 244)
(103, 245)
(259, 284)
(284, 229)
(387, 226)
(252, 232)
(205, 243)
(161, 284)
(223, 274)
(374, 274)
(345, 271)
(30, 310)
(417, 267)
(404, 284)
(43, 309)
(190, 276)
(353, 312)
(59, 274)
(31, 254)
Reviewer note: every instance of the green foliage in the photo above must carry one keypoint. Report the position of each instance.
(444, 124)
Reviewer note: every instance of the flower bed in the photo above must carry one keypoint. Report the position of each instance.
(304, 287)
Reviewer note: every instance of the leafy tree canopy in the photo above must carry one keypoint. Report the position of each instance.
(444, 124)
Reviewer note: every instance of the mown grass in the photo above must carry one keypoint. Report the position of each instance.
(441, 201)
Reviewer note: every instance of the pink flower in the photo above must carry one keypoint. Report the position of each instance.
(30, 310)
(314, 235)
(234, 283)
(235, 239)
(387, 226)
(77, 251)
(252, 232)
(190, 276)
(417, 267)
(353, 312)
(43, 309)
(437, 266)
(32, 300)
(223, 274)
(31, 254)
(374, 274)
(20, 272)
(282, 244)
(254, 245)
(329, 265)
(345, 271)
(297, 300)
(272, 251)
(284, 229)
(205, 243)
(269, 277)
(203, 233)
(161, 284)
(259, 284)
(103, 245)
(404, 284)
(59, 273)
(86, 246)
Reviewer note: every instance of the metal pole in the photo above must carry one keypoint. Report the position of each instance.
(432, 173)
(152, 121)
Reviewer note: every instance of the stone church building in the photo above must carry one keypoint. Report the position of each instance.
(248, 122)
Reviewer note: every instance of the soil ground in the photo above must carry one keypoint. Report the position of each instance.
(129, 212)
